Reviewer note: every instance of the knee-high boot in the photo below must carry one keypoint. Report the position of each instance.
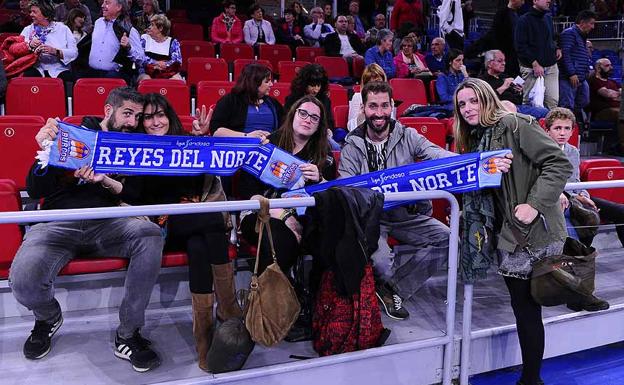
(202, 325)
(227, 306)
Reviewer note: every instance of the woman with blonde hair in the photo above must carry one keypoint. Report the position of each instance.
(372, 73)
(500, 223)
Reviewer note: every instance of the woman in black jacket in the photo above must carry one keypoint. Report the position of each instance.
(311, 80)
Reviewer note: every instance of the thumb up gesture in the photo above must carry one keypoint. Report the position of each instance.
(125, 41)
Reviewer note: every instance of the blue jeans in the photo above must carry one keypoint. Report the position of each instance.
(48, 247)
(571, 97)
(536, 112)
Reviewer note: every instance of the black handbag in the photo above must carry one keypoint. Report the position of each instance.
(231, 345)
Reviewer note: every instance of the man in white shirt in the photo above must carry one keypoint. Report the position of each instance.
(342, 43)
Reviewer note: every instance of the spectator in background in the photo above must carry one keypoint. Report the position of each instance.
(360, 25)
(75, 22)
(143, 20)
(227, 27)
(300, 16)
(605, 94)
(256, 30)
(448, 82)
(311, 80)
(373, 8)
(351, 25)
(537, 52)
(407, 11)
(504, 85)
(289, 32)
(372, 73)
(342, 42)
(410, 64)
(52, 41)
(435, 59)
(62, 10)
(328, 10)
(381, 54)
(574, 65)
(116, 52)
(371, 35)
(316, 31)
(163, 57)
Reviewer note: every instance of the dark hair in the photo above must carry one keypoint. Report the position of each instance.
(289, 11)
(317, 144)
(375, 88)
(254, 8)
(122, 94)
(47, 9)
(73, 15)
(249, 80)
(585, 15)
(158, 101)
(309, 75)
(227, 3)
(453, 54)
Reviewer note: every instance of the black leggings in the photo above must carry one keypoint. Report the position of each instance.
(530, 328)
(285, 242)
(206, 243)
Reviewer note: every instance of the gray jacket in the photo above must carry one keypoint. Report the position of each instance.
(405, 146)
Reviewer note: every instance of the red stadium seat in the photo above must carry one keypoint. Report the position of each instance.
(187, 122)
(195, 48)
(280, 91)
(239, 64)
(338, 95)
(409, 91)
(607, 173)
(336, 155)
(593, 163)
(11, 234)
(186, 31)
(40, 96)
(174, 258)
(407, 120)
(94, 265)
(209, 93)
(309, 53)
(275, 53)
(288, 70)
(176, 13)
(357, 67)
(206, 68)
(341, 116)
(433, 93)
(176, 92)
(17, 150)
(434, 131)
(90, 95)
(231, 52)
(336, 67)
(35, 119)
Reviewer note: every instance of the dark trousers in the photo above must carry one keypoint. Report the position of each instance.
(285, 242)
(612, 212)
(530, 328)
(204, 238)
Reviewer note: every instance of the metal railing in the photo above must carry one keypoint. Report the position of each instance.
(468, 289)
(189, 208)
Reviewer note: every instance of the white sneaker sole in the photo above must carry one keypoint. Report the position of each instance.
(52, 333)
(383, 304)
(126, 357)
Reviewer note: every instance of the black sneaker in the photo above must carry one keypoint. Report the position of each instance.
(136, 350)
(392, 302)
(38, 343)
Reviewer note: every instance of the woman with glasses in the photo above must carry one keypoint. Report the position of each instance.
(227, 27)
(409, 63)
(304, 134)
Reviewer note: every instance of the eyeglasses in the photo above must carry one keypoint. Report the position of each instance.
(303, 114)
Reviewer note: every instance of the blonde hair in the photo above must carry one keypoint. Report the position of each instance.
(371, 71)
(491, 110)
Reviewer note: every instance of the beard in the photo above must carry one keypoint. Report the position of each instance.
(113, 126)
(371, 124)
(606, 74)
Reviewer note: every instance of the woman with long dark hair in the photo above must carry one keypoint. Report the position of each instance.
(311, 80)
(527, 203)
(204, 236)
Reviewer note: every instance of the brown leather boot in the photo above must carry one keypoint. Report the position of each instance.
(202, 325)
(227, 306)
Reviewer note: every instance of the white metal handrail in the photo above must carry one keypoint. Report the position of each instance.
(189, 208)
(468, 289)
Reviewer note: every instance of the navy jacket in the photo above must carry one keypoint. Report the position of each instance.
(575, 58)
(535, 39)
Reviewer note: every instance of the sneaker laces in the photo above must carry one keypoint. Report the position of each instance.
(398, 302)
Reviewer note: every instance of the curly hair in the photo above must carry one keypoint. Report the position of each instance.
(309, 75)
(558, 113)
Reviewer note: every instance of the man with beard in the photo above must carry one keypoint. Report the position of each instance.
(605, 98)
(377, 144)
(47, 247)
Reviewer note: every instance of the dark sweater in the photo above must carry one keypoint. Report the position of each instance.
(510, 93)
(535, 39)
(575, 59)
(61, 190)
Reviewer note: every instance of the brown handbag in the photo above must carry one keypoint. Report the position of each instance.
(272, 305)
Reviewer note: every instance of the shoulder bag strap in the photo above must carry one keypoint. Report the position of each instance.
(263, 221)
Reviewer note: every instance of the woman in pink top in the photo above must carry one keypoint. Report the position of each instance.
(408, 63)
(227, 28)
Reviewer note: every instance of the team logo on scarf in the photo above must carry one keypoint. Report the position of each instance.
(69, 147)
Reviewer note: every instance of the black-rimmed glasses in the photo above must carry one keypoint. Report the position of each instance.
(303, 114)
